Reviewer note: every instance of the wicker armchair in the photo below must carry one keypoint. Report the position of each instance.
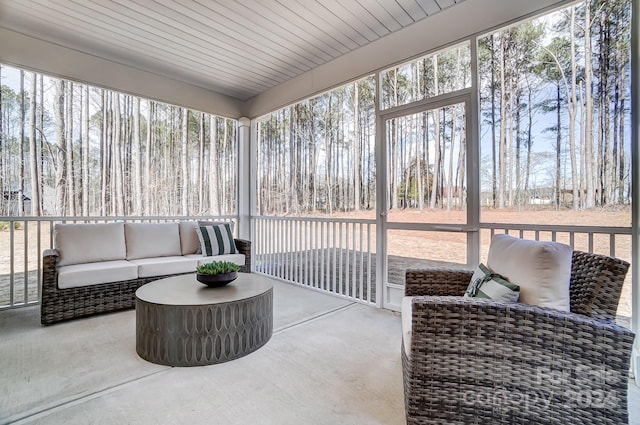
(475, 361)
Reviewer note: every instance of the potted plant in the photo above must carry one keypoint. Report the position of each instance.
(217, 273)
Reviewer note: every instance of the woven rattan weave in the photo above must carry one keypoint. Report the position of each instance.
(63, 304)
(478, 361)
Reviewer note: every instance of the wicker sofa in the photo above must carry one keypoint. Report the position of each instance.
(96, 268)
(480, 361)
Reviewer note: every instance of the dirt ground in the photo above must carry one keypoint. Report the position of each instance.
(449, 247)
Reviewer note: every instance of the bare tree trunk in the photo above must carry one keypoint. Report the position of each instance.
(407, 166)
(137, 158)
(85, 158)
(509, 134)
(621, 117)
(426, 190)
(588, 102)
(572, 104)
(185, 162)
(105, 152)
(494, 179)
(224, 205)
(33, 153)
(329, 150)
(503, 119)
(451, 182)
(21, 149)
(356, 153)
(41, 143)
(71, 190)
(582, 154)
(529, 138)
(394, 164)
(461, 173)
(214, 199)
(518, 159)
(147, 162)
(437, 155)
(117, 159)
(61, 172)
(201, 133)
(558, 147)
(314, 157)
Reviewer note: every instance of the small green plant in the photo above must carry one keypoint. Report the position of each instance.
(217, 267)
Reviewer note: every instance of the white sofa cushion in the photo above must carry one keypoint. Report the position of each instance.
(541, 269)
(407, 323)
(160, 266)
(148, 240)
(89, 243)
(233, 258)
(189, 241)
(77, 275)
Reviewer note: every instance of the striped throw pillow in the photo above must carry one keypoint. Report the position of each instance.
(216, 240)
(486, 284)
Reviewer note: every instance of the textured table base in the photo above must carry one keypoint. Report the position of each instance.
(197, 335)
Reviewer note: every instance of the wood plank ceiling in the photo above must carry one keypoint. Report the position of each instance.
(235, 47)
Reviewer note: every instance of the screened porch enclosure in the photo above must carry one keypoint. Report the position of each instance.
(416, 159)
(415, 164)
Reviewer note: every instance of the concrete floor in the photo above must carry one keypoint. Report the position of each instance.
(329, 361)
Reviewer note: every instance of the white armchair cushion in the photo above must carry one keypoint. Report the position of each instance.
(407, 323)
(541, 269)
(89, 243)
(147, 240)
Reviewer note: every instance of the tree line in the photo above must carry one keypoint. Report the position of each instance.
(70, 149)
(555, 122)
(318, 156)
(554, 103)
(571, 68)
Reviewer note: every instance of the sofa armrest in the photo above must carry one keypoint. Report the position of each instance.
(463, 348)
(244, 247)
(49, 261)
(436, 281)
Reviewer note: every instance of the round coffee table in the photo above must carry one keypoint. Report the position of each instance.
(181, 322)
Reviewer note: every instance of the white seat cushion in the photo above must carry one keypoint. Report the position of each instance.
(89, 243)
(541, 269)
(407, 324)
(233, 258)
(149, 240)
(160, 266)
(77, 275)
(189, 241)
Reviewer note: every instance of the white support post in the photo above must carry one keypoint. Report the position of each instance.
(635, 182)
(473, 162)
(381, 200)
(244, 178)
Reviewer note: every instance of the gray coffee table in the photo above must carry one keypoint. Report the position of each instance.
(181, 322)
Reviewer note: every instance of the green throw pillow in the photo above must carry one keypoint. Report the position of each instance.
(216, 240)
(485, 284)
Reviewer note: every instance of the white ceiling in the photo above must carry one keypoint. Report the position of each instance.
(239, 48)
